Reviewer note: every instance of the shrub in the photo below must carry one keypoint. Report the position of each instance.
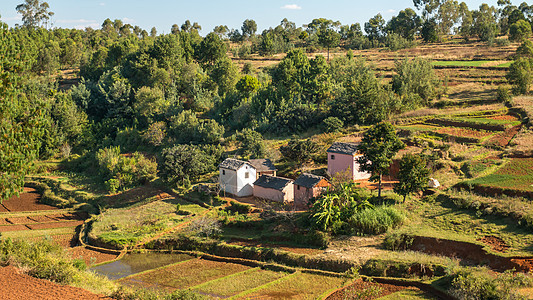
(240, 208)
(183, 163)
(205, 226)
(503, 94)
(332, 124)
(124, 171)
(375, 221)
(481, 284)
(398, 241)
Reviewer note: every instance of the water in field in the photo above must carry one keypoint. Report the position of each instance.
(138, 262)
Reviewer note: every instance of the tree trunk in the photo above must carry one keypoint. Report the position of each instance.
(404, 196)
(328, 54)
(379, 185)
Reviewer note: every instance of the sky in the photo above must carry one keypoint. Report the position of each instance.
(162, 14)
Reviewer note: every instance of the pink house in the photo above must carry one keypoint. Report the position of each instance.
(274, 188)
(308, 186)
(342, 158)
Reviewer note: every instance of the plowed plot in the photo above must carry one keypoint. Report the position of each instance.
(27, 201)
(91, 257)
(372, 289)
(54, 225)
(298, 286)
(21, 286)
(64, 240)
(503, 139)
(185, 274)
(20, 220)
(463, 132)
(238, 283)
(6, 228)
(4, 222)
(505, 118)
(65, 217)
(42, 218)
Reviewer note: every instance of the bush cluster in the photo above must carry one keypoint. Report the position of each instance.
(124, 171)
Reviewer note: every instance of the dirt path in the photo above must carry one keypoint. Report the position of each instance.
(19, 286)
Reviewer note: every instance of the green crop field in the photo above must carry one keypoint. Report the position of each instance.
(185, 274)
(298, 286)
(516, 175)
(408, 294)
(238, 283)
(461, 63)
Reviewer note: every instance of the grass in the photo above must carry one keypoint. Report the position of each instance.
(237, 283)
(186, 274)
(127, 226)
(486, 121)
(440, 218)
(408, 294)
(461, 63)
(299, 286)
(516, 175)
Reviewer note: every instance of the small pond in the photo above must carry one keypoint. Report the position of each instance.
(138, 262)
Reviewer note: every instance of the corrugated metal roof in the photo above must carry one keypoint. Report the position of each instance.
(308, 180)
(343, 148)
(232, 164)
(271, 182)
(262, 164)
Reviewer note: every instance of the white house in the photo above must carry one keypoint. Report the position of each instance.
(237, 177)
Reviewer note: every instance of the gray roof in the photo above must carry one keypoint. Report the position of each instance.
(308, 180)
(343, 148)
(271, 182)
(232, 164)
(262, 164)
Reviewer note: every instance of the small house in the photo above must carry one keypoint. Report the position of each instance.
(342, 158)
(263, 166)
(308, 186)
(274, 188)
(237, 177)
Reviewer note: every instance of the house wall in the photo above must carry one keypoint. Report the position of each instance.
(343, 162)
(271, 173)
(302, 195)
(286, 195)
(245, 185)
(235, 183)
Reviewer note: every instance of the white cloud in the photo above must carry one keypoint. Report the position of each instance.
(291, 7)
(391, 11)
(128, 20)
(78, 21)
(102, 4)
(16, 18)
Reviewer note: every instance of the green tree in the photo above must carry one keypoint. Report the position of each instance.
(520, 31)
(413, 175)
(406, 24)
(248, 85)
(525, 50)
(182, 164)
(300, 151)
(211, 49)
(22, 122)
(429, 31)
(249, 27)
(379, 145)
(519, 76)
(449, 14)
(34, 13)
(224, 74)
(252, 144)
(415, 77)
(374, 27)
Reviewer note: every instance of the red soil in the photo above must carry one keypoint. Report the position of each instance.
(505, 118)
(27, 201)
(502, 139)
(90, 257)
(358, 289)
(463, 132)
(495, 243)
(6, 228)
(18, 286)
(20, 220)
(54, 225)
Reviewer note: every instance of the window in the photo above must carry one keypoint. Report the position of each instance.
(332, 156)
(247, 175)
(223, 172)
(298, 187)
